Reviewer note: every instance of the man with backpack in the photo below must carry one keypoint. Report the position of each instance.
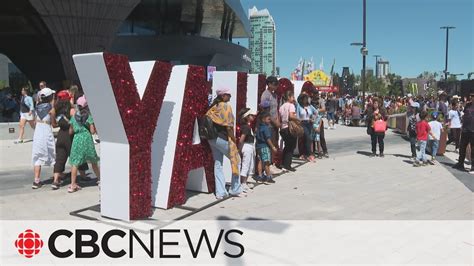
(411, 128)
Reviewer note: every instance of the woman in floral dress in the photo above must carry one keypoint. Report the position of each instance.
(82, 150)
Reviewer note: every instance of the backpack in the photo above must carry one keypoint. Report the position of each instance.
(207, 130)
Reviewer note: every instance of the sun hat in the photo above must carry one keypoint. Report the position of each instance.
(249, 112)
(222, 91)
(45, 92)
(81, 101)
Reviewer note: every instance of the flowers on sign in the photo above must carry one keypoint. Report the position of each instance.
(187, 155)
(139, 124)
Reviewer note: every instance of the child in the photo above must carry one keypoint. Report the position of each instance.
(436, 128)
(264, 144)
(379, 126)
(348, 114)
(246, 147)
(317, 124)
(43, 139)
(63, 140)
(82, 149)
(422, 131)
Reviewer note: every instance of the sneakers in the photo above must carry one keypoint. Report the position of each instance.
(258, 179)
(417, 163)
(269, 179)
(37, 185)
(382, 155)
(245, 188)
(326, 155)
(472, 170)
(18, 141)
(55, 186)
(275, 170)
(372, 155)
(459, 167)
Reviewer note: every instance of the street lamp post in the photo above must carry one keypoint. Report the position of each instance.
(364, 51)
(447, 28)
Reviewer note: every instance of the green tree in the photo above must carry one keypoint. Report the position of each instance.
(394, 85)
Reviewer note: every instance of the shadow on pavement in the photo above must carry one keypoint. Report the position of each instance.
(366, 153)
(402, 156)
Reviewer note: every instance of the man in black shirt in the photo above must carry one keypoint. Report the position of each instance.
(467, 135)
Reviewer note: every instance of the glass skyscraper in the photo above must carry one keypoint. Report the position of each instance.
(262, 42)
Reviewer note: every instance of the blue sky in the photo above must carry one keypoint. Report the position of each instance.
(405, 32)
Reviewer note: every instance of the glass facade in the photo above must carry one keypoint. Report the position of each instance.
(262, 42)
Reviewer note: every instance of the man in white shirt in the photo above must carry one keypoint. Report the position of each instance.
(454, 118)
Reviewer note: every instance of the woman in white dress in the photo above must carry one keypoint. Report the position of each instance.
(43, 140)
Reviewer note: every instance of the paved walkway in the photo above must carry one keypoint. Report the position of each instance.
(349, 185)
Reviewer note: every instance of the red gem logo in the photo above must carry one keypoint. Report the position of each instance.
(29, 243)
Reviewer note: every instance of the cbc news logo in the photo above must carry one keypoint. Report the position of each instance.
(29, 243)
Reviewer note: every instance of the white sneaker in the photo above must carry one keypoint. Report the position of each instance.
(18, 141)
(245, 188)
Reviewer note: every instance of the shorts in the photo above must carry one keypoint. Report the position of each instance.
(316, 136)
(248, 160)
(27, 116)
(264, 154)
(331, 116)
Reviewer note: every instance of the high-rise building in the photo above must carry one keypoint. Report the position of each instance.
(384, 68)
(262, 42)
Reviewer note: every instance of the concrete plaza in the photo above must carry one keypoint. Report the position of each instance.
(349, 185)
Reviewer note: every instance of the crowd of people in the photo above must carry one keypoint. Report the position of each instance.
(288, 121)
(68, 111)
(293, 123)
(428, 118)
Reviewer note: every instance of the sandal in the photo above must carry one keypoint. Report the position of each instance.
(73, 189)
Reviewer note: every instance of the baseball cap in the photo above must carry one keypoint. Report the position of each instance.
(409, 95)
(82, 101)
(64, 95)
(249, 112)
(223, 91)
(45, 92)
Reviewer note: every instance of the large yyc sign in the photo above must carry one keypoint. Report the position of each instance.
(146, 114)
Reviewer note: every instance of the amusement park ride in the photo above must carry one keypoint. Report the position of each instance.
(321, 81)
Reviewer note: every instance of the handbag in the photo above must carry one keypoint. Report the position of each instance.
(380, 126)
(207, 130)
(296, 129)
